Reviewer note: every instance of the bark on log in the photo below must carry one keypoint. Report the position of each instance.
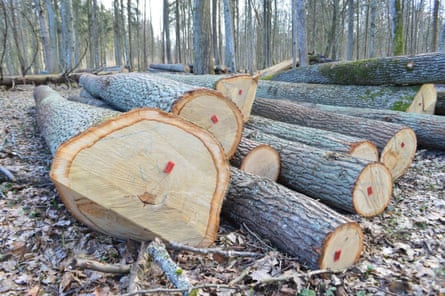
(206, 108)
(171, 67)
(398, 70)
(256, 158)
(326, 140)
(90, 101)
(440, 104)
(425, 100)
(39, 79)
(295, 223)
(396, 143)
(339, 180)
(125, 174)
(429, 129)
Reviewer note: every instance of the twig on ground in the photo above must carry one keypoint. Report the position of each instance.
(224, 253)
(163, 290)
(97, 266)
(7, 173)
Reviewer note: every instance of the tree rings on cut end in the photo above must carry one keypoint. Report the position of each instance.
(424, 101)
(143, 174)
(210, 110)
(372, 190)
(399, 152)
(342, 247)
(365, 150)
(263, 161)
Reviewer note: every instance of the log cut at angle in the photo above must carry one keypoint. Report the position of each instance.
(124, 174)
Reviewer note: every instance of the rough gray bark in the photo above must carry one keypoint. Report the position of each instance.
(166, 24)
(67, 34)
(293, 222)
(230, 51)
(44, 35)
(321, 139)
(429, 129)
(117, 35)
(202, 49)
(350, 44)
(171, 67)
(396, 153)
(400, 70)
(301, 33)
(333, 178)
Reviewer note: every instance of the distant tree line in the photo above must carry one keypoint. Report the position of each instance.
(53, 36)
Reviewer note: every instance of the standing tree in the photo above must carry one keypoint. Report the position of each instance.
(178, 33)
(331, 47)
(166, 24)
(301, 32)
(44, 35)
(230, 54)
(373, 7)
(95, 40)
(441, 46)
(350, 45)
(117, 33)
(215, 32)
(398, 40)
(202, 49)
(435, 24)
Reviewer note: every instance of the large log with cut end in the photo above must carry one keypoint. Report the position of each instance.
(125, 174)
(345, 182)
(170, 67)
(206, 108)
(396, 143)
(425, 100)
(295, 223)
(319, 138)
(429, 129)
(256, 158)
(399, 70)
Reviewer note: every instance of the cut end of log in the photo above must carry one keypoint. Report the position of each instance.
(372, 191)
(424, 101)
(365, 150)
(241, 89)
(342, 248)
(143, 174)
(213, 112)
(262, 161)
(398, 154)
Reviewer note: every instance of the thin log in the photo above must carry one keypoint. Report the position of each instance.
(8, 175)
(277, 68)
(327, 140)
(39, 79)
(295, 223)
(396, 143)
(440, 104)
(132, 175)
(351, 184)
(82, 264)
(398, 70)
(258, 159)
(206, 108)
(170, 67)
(425, 100)
(429, 129)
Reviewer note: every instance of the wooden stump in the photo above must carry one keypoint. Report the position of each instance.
(425, 100)
(351, 184)
(302, 227)
(258, 159)
(137, 175)
(396, 143)
(206, 108)
(327, 140)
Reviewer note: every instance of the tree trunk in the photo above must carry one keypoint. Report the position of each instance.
(425, 100)
(396, 143)
(117, 34)
(350, 42)
(230, 51)
(398, 37)
(171, 67)
(418, 69)
(67, 34)
(429, 129)
(302, 227)
(435, 24)
(322, 139)
(166, 23)
(441, 47)
(11, 81)
(204, 107)
(256, 158)
(372, 9)
(301, 32)
(52, 35)
(47, 50)
(339, 180)
(202, 50)
(125, 174)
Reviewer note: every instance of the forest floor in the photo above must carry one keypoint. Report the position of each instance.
(404, 248)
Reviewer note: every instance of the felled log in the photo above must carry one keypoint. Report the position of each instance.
(323, 139)
(429, 129)
(171, 67)
(38, 79)
(396, 143)
(302, 227)
(399, 70)
(256, 158)
(137, 175)
(277, 68)
(339, 180)
(425, 100)
(90, 101)
(241, 89)
(440, 104)
(206, 108)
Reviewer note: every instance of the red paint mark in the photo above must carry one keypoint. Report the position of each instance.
(240, 92)
(337, 255)
(369, 190)
(214, 119)
(169, 167)
(402, 145)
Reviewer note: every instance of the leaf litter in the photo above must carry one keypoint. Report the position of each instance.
(404, 248)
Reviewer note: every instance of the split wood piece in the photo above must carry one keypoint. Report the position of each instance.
(339, 180)
(295, 223)
(171, 67)
(241, 89)
(280, 67)
(327, 140)
(258, 159)
(126, 175)
(429, 129)
(396, 143)
(425, 100)
(379, 97)
(206, 108)
(156, 249)
(399, 70)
